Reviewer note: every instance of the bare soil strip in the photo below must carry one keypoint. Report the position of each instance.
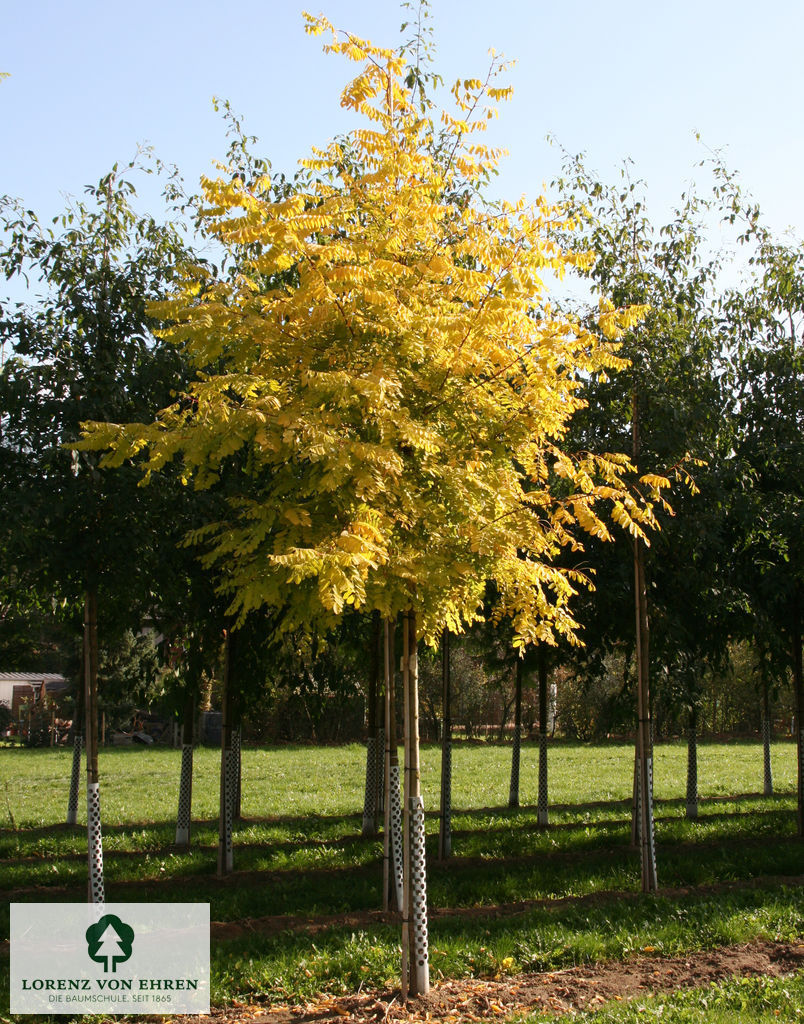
(555, 992)
(223, 931)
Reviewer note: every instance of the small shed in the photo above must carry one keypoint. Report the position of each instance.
(32, 703)
(18, 686)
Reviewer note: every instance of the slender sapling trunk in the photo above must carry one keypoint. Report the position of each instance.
(371, 787)
(225, 850)
(692, 764)
(445, 815)
(798, 690)
(644, 737)
(78, 743)
(767, 787)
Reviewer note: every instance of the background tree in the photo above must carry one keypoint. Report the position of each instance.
(82, 349)
(667, 405)
(765, 321)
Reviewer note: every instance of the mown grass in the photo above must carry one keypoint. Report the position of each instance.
(299, 851)
(140, 784)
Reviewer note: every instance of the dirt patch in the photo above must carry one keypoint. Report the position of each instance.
(275, 924)
(554, 992)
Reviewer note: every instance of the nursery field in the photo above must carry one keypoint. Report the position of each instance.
(527, 923)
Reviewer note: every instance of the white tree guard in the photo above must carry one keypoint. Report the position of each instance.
(228, 803)
(543, 813)
(95, 844)
(386, 838)
(513, 789)
(651, 818)
(370, 793)
(647, 841)
(419, 960)
(75, 780)
(692, 774)
(237, 751)
(801, 764)
(635, 805)
(379, 793)
(396, 834)
(766, 750)
(184, 815)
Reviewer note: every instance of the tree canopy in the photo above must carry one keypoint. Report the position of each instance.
(387, 368)
(82, 349)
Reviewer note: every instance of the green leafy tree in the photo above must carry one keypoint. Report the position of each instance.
(81, 348)
(668, 406)
(765, 321)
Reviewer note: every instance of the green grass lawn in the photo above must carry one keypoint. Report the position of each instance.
(139, 784)
(575, 886)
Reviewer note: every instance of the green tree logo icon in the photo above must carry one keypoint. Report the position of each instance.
(109, 942)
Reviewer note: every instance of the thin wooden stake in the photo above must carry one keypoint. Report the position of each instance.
(513, 789)
(543, 799)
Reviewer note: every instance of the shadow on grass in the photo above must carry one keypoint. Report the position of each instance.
(301, 821)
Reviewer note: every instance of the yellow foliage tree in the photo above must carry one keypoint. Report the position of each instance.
(388, 375)
(390, 370)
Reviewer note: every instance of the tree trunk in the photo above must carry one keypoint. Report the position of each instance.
(185, 812)
(225, 851)
(415, 955)
(380, 718)
(445, 816)
(392, 832)
(371, 788)
(78, 742)
(513, 789)
(644, 738)
(379, 767)
(543, 805)
(766, 737)
(692, 765)
(94, 837)
(798, 688)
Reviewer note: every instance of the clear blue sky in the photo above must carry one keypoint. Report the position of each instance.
(615, 79)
